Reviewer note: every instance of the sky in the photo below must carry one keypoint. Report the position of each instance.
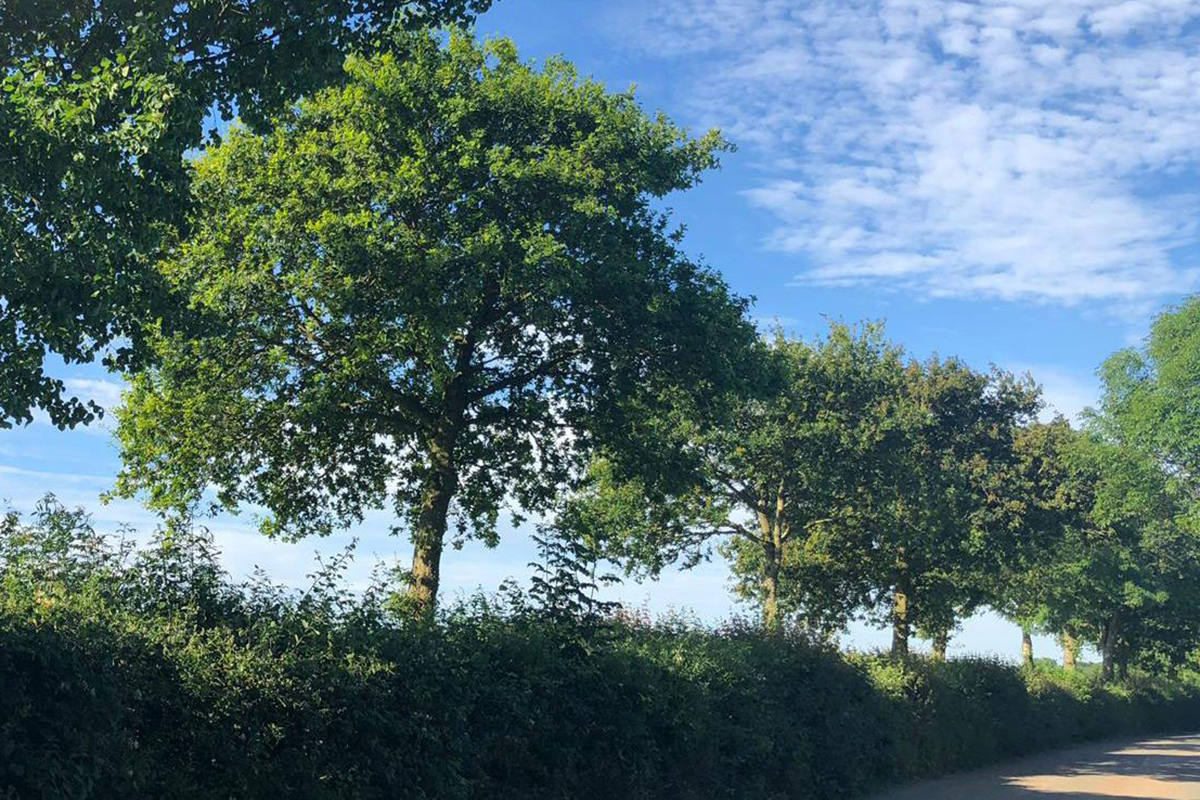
(1008, 182)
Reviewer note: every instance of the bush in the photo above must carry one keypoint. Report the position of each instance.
(149, 675)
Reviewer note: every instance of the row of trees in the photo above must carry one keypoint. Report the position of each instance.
(427, 275)
(919, 492)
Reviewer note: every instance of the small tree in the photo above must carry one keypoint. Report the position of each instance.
(567, 578)
(436, 288)
(1040, 506)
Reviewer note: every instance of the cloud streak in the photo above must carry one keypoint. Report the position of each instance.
(1027, 151)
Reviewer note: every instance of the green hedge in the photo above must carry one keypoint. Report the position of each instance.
(101, 701)
(149, 675)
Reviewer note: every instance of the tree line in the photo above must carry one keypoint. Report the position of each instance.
(426, 275)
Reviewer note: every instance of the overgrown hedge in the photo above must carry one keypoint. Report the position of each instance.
(157, 679)
(104, 705)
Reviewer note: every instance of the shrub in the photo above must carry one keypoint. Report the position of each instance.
(150, 675)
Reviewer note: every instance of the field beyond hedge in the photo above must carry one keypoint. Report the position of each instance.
(135, 688)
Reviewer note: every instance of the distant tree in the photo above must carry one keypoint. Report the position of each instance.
(775, 477)
(99, 102)
(1039, 503)
(435, 288)
(935, 530)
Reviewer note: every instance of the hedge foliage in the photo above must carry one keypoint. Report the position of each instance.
(151, 676)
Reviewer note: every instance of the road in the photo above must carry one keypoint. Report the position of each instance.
(1165, 768)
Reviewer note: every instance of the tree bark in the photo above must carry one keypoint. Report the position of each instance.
(941, 641)
(901, 613)
(770, 584)
(1070, 646)
(1108, 646)
(428, 538)
(441, 484)
(1026, 646)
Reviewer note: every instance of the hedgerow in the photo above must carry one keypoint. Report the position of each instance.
(150, 675)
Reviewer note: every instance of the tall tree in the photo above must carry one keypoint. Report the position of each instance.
(1040, 503)
(935, 530)
(774, 477)
(1129, 562)
(434, 287)
(99, 102)
(1150, 395)
(1147, 434)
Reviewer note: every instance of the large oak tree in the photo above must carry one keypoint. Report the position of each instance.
(434, 287)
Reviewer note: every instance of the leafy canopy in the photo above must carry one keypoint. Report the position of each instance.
(938, 523)
(775, 473)
(99, 102)
(1151, 395)
(445, 279)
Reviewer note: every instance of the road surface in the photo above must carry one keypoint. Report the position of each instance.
(1164, 768)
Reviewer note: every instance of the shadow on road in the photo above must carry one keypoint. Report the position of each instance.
(1154, 769)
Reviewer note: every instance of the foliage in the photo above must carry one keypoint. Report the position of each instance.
(937, 522)
(1043, 509)
(787, 465)
(189, 688)
(566, 579)
(99, 102)
(1151, 397)
(1131, 563)
(432, 288)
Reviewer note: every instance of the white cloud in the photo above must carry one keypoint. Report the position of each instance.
(1065, 391)
(106, 394)
(1008, 148)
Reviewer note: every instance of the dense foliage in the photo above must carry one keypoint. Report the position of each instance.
(862, 481)
(146, 674)
(781, 475)
(99, 102)
(429, 290)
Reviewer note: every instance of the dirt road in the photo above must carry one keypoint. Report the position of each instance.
(1165, 768)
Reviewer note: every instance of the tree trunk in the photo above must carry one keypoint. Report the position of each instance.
(430, 531)
(442, 481)
(941, 640)
(1108, 646)
(1070, 647)
(428, 538)
(901, 613)
(1026, 646)
(770, 583)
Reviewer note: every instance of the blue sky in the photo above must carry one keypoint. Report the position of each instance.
(1009, 182)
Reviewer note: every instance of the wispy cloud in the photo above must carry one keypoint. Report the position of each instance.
(105, 393)
(1064, 391)
(1010, 149)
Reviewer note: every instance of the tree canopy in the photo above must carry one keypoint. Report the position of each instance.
(432, 288)
(1151, 394)
(934, 525)
(774, 475)
(99, 103)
